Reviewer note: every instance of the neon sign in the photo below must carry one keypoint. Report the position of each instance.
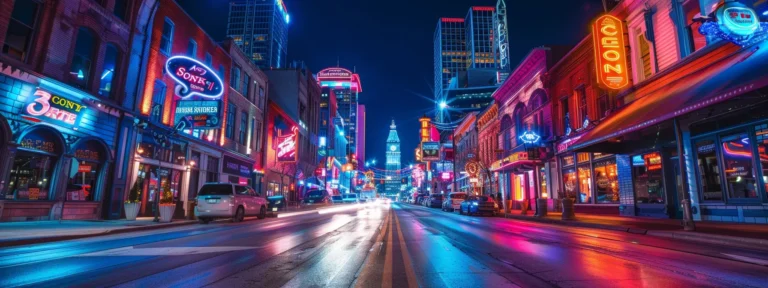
(198, 93)
(529, 137)
(736, 23)
(610, 54)
(53, 107)
(286, 146)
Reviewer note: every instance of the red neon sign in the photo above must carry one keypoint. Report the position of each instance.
(286, 146)
(452, 19)
(480, 8)
(610, 54)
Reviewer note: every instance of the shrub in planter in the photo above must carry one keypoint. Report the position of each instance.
(166, 204)
(133, 203)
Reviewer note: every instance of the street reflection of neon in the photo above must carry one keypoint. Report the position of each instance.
(340, 209)
(736, 153)
(290, 214)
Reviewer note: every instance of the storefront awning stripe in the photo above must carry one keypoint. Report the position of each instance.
(731, 76)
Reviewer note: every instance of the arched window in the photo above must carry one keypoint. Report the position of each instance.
(518, 115)
(82, 60)
(506, 125)
(108, 71)
(538, 98)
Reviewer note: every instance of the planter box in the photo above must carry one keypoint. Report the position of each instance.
(131, 210)
(166, 212)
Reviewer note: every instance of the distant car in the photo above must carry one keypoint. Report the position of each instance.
(453, 201)
(227, 200)
(350, 198)
(419, 200)
(337, 199)
(434, 201)
(276, 203)
(317, 197)
(479, 205)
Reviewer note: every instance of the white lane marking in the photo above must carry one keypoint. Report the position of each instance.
(748, 259)
(165, 251)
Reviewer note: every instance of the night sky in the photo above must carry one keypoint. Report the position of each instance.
(391, 45)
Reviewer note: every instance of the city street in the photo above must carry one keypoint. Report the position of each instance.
(379, 246)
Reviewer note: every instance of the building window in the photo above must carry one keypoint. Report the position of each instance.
(648, 178)
(257, 145)
(606, 182)
(261, 97)
(231, 112)
(212, 174)
(158, 98)
(234, 79)
(709, 173)
(604, 104)
(121, 9)
(695, 40)
(243, 127)
(246, 85)
(761, 135)
(208, 59)
(107, 79)
(166, 40)
(644, 57)
(221, 72)
(82, 60)
(192, 49)
(737, 165)
(565, 115)
(585, 184)
(21, 29)
(582, 94)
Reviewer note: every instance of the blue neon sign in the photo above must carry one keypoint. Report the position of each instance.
(529, 137)
(736, 23)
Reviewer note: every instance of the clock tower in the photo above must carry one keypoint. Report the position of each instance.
(392, 185)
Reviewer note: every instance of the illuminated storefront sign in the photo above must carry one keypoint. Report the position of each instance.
(236, 167)
(529, 137)
(652, 161)
(198, 93)
(610, 53)
(43, 106)
(430, 151)
(286, 146)
(736, 23)
(334, 73)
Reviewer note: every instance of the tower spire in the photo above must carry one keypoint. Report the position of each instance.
(393, 126)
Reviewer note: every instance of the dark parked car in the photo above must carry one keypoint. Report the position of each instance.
(276, 203)
(419, 200)
(434, 201)
(479, 205)
(317, 197)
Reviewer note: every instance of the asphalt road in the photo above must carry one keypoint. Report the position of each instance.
(381, 246)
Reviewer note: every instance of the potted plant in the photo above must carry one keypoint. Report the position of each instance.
(133, 203)
(568, 206)
(166, 204)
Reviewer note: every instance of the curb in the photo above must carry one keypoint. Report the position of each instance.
(711, 238)
(28, 241)
(576, 224)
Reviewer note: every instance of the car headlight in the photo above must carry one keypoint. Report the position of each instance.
(474, 203)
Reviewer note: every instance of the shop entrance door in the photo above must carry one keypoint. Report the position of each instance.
(676, 210)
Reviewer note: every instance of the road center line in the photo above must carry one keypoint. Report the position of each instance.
(409, 272)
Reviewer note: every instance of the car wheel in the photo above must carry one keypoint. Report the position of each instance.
(204, 220)
(262, 213)
(239, 215)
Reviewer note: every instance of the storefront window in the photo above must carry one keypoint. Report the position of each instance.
(31, 176)
(582, 157)
(585, 184)
(567, 160)
(606, 182)
(709, 172)
(761, 134)
(213, 170)
(649, 186)
(273, 189)
(737, 164)
(543, 184)
(569, 182)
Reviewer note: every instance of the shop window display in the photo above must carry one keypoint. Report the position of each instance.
(80, 186)
(737, 165)
(648, 178)
(709, 173)
(585, 185)
(30, 177)
(606, 182)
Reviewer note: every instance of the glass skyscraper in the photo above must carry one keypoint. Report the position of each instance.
(260, 28)
(481, 47)
(450, 53)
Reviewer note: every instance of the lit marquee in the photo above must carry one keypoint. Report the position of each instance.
(610, 54)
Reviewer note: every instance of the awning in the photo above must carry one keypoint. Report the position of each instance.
(516, 160)
(706, 83)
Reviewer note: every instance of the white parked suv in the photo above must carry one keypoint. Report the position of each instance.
(453, 201)
(227, 200)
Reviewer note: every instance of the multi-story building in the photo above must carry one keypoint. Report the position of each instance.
(682, 127)
(295, 97)
(525, 128)
(487, 146)
(260, 28)
(465, 144)
(245, 133)
(482, 51)
(392, 174)
(346, 86)
(360, 131)
(469, 91)
(63, 77)
(450, 55)
(501, 36)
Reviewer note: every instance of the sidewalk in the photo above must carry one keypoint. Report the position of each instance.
(724, 233)
(31, 232)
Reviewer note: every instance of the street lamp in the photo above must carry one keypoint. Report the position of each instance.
(443, 105)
